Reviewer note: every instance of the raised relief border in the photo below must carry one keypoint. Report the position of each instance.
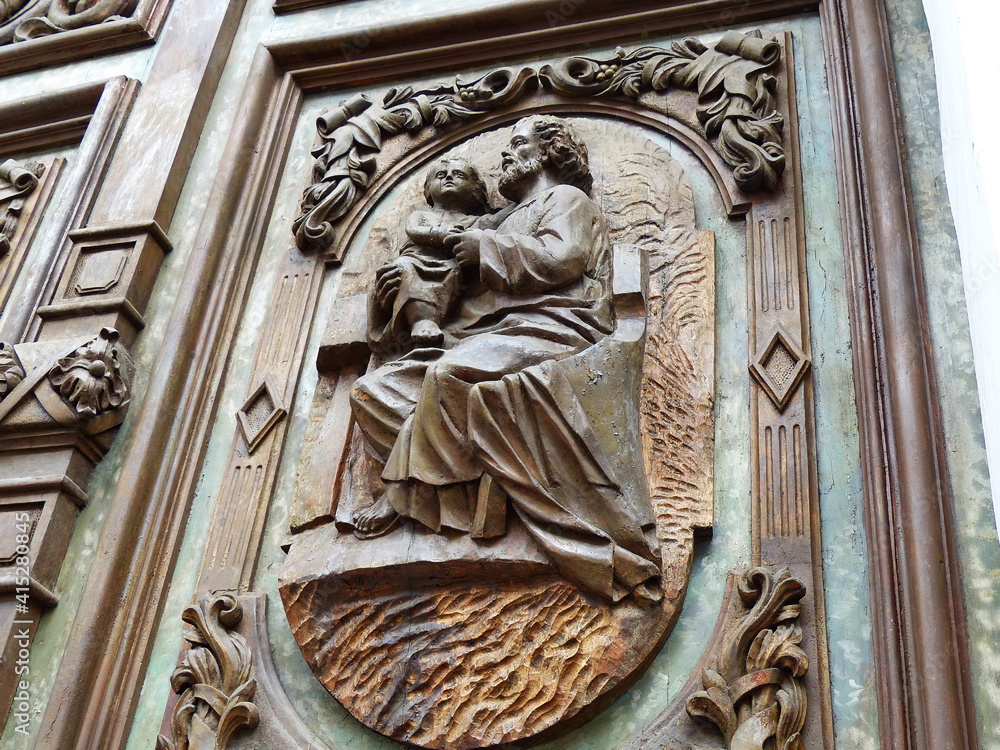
(61, 399)
(729, 103)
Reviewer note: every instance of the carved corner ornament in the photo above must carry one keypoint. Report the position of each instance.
(213, 682)
(81, 385)
(21, 20)
(753, 690)
(17, 182)
(737, 110)
(90, 379)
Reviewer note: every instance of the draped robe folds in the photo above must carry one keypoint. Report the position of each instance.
(496, 401)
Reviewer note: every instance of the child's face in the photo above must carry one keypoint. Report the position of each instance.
(453, 187)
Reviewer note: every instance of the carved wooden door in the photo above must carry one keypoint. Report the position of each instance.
(456, 378)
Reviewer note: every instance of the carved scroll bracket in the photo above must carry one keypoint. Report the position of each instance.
(753, 689)
(737, 112)
(227, 683)
(214, 680)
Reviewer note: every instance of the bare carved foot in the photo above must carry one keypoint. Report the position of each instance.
(426, 333)
(375, 520)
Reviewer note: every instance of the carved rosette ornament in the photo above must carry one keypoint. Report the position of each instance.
(90, 379)
(21, 20)
(214, 683)
(754, 692)
(737, 111)
(11, 372)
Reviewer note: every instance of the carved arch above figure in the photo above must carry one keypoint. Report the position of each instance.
(735, 108)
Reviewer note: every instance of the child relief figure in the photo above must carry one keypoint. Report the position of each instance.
(426, 277)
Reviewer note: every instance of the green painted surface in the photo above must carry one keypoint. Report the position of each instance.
(974, 523)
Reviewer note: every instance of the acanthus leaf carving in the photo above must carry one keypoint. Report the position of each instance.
(90, 379)
(214, 683)
(753, 690)
(21, 20)
(737, 110)
(737, 103)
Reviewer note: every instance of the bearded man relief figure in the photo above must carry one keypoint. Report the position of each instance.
(532, 446)
(538, 291)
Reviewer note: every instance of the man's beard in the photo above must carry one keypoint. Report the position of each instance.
(516, 175)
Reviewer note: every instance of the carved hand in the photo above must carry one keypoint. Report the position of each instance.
(465, 245)
(387, 281)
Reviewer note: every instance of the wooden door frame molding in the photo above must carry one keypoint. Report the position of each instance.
(921, 655)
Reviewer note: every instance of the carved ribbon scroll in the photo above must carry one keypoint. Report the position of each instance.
(737, 111)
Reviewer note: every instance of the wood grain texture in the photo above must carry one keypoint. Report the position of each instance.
(535, 652)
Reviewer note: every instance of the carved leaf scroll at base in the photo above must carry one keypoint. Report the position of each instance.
(737, 112)
(214, 683)
(21, 20)
(753, 690)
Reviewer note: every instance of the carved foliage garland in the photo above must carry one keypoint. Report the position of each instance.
(737, 110)
(754, 691)
(90, 379)
(21, 20)
(214, 683)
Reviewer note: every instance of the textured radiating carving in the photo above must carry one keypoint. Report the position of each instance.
(737, 111)
(213, 682)
(90, 379)
(543, 647)
(11, 372)
(753, 691)
(29, 19)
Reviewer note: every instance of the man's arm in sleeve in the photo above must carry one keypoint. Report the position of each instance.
(554, 255)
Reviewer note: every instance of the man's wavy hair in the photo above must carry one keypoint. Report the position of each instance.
(480, 193)
(564, 152)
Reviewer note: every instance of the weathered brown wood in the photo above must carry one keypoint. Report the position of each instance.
(522, 28)
(921, 650)
(107, 666)
(331, 578)
(881, 525)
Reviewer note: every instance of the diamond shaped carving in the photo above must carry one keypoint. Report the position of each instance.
(779, 367)
(262, 411)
